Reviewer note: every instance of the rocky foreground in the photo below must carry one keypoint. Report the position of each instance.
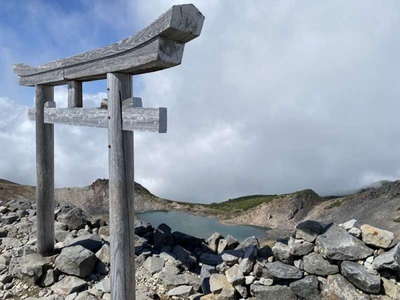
(318, 262)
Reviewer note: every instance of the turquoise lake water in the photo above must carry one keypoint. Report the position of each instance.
(200, 226)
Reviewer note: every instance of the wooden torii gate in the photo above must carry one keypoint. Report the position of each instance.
(156, 47)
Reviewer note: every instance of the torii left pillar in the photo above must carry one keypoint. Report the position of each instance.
(44, 172)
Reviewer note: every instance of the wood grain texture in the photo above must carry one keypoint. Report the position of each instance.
(177, 26)
(75, 94)
(44, 172)
(156, 55)
(121, 179)
(134, 118)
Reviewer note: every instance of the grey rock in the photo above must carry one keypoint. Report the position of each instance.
(336, 243)
(74, 218)
(276, 292)
(229, 259)
(228, 243)
(76, 260)
(85, 295)
(299, 247)
(314, 263)
(205, 274)
(49, 278)
(246, 265)
(234, 275)
(360, 277)
(184, 256)
(163, 237)
(376, 237)
(281, 252)
(172, 280)
(337, 287)
(9, 218)
(388, 260)
(349, 224)
(154, 264)
(29, 267)
(242, 291)
(283, 271)
(306, 288)
(103, 254)
(213, 241)
(68, 285)
(248, 242)
(210, 259)
(221, 286)
(308, 230)
(180, 291)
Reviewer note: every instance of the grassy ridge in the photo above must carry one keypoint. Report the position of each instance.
(241, 203)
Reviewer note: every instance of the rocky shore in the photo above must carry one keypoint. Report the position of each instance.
(319, 261)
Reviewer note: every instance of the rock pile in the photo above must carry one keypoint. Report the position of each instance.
(318, 261)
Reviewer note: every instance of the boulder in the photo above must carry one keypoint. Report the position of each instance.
(205, 274)
(246, 265)
(69, 285)
(29, 267)
(213, 241)
(184, 257)
(276, 292)
(74, 218)
(299, 247)
(103, 254)
(162, 237)
(388, 260)
(221, 286)
(242, 291)
(360, 277)
(308, 230)
(314, 263)
(228, 243)
(210, 259)
(186, 240)
(306, 288)
(283, 271)
(234, 275)
(337, 244)
(281, 252)
(337, 287)
(76, 260)
(376, 237)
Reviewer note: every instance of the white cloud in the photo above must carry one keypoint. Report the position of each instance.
(274, 96)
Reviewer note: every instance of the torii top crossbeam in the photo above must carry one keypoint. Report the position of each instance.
(156, 47)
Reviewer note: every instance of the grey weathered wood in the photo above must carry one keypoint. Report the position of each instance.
(130, 102)
(44, 172)
(75, 93)
(134, 118)
(156, 47)
(120, 185)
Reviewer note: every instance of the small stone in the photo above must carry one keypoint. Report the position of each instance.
(180, 291)
(276, 292)
(349, 224)
(360, 277)
(104, 254)
(376, 237)
(355, 232)
(242, 291)
(228, 243)
(388, 260)
(249, 279)
(220, 285)
(265, 281)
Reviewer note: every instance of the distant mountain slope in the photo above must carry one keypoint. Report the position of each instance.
(378, 205)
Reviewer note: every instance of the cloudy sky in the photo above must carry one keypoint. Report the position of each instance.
(275, 96)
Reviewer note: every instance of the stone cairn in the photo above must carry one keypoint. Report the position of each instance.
(317, 262)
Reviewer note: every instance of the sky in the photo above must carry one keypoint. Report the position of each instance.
(273, 97)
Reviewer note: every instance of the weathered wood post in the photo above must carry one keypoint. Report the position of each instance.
(44, 171)
(158, 46)
(120, 162)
